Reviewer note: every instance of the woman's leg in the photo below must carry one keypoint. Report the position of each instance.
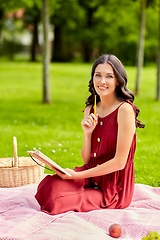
(53, 194)
(58, 196)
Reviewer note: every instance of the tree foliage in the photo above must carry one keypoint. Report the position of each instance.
(86, 28)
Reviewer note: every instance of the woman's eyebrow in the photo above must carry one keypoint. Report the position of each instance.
(110, 73)
(106, 73)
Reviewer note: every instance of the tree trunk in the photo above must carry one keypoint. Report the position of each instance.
(1, 21)
(158, 62)
(57, 53)
(35, 44)
(87, 51)
(46, 52)
(140, 52)
(87, 46)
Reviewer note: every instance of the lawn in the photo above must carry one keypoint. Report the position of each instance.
(55, 128)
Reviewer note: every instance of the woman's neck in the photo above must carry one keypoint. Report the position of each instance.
(107, 105)
(108, 101)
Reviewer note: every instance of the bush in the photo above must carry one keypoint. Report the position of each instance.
(10, 48)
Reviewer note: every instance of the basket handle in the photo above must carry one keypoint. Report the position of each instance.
(15, 159)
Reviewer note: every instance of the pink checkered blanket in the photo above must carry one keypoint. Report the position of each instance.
(21, 218)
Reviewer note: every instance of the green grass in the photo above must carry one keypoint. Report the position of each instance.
(57, 126)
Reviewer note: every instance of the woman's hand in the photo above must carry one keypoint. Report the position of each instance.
(74, 175)
(89, 123)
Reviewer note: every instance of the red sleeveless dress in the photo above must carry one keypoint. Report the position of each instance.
(114, 190)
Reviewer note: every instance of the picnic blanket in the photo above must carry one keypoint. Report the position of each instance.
(21, 218)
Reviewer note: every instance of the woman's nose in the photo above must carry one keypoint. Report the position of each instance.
(103, 80)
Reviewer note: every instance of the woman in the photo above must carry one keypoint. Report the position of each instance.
(106, 180)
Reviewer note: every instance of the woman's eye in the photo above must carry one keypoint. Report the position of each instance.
(109, 76)
(98, 75)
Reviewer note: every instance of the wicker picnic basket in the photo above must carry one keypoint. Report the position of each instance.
(19, 171)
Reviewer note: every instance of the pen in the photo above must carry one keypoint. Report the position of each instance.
(95, 106)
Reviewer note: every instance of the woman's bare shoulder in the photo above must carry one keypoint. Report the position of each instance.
(126, 108)
(126, 114)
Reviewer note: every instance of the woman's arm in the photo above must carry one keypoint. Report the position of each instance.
(126, 131)
(88, 126)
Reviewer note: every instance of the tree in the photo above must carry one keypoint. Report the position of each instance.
(12, 5)
(1, 20)
(111, 33)
(140, 52)
(66, 21)
(158, 64)
(31, 19)
(87, 38)
(30, 16)
(46, 52)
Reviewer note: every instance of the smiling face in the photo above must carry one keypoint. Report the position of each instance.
(104, 80)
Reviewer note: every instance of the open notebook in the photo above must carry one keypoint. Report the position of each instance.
(44, 159)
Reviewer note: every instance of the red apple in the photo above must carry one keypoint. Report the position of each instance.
(115, 230)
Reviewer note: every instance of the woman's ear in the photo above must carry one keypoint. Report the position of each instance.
(117, 83)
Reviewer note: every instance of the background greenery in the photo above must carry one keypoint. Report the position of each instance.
(82, 29)
(55, 129)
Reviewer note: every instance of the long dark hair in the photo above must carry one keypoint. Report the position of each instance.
(121, 91)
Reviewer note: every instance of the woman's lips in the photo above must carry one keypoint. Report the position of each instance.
(102, 87)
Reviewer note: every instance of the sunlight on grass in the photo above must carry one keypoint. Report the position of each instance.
(55, 129)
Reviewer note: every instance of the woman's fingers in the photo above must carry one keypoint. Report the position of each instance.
(95, 117)
(90, 120)
(89, 123)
